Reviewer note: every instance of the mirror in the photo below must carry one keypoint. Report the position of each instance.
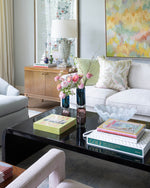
(46, 11)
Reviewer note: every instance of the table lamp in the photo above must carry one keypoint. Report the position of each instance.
(64, 29)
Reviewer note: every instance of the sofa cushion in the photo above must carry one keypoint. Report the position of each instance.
(113, 74)
(139, 76)
(94, 95)
(137, 98)
(88, 65)
(10, 104)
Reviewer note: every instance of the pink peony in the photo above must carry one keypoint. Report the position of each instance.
(59, 87)
(62, 79)
(69, 78)
(80, 76)
(56, 78)
(75, 78)
(62, 95)
(89, 75)
(81, 86)
(64, 84)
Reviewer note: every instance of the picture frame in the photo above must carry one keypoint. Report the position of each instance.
(44, 12)
(127, 28)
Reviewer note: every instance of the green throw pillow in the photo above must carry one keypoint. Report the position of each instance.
(88, 65)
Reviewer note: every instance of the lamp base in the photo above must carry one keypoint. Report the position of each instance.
(62, 65)
(64, 51)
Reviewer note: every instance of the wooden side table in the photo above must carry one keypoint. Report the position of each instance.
(16, 172)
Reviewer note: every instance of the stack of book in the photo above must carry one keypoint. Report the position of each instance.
(5, 171)
(122, 136)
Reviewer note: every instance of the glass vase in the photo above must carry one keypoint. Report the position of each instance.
(80, 93)
(65, 105)
(81, 111)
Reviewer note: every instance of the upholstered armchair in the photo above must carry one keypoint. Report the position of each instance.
(51, 164)
(13, 107)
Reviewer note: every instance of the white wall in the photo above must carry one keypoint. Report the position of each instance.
(92, 33)
(23, 37)
(92, 28)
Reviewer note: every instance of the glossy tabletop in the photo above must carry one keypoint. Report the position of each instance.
(24, 135)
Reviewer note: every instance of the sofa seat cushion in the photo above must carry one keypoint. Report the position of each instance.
(94, 95)
(10, 104)
(137, 98)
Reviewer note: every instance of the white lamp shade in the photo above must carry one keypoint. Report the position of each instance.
(64, 29)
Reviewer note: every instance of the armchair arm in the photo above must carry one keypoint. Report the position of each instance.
(52, 163)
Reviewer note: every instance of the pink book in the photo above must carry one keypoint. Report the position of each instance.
(123, 128)
(5, 177)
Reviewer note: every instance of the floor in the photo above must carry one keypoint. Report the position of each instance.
(41, 106)
(91, 171)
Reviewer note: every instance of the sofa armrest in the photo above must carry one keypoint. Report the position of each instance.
(11, 91)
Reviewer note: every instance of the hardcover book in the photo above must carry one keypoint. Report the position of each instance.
(123, 128)
(54, 123)
(137, 149)
(3, 178)
(5, 169)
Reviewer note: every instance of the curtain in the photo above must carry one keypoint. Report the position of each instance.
(6, 41)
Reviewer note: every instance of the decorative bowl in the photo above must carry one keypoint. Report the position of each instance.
(114, 112)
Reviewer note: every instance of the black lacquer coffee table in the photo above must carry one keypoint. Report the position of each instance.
(21, 141)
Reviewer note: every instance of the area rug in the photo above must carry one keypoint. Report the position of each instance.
(95, 172)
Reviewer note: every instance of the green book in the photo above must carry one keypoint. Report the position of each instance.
(107, 142)
(54, 123)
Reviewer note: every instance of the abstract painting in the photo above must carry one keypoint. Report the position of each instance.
(128, 28)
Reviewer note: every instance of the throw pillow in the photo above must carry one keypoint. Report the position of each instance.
(88, 65)
(113, 74)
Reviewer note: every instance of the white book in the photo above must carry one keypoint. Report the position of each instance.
(136, 149)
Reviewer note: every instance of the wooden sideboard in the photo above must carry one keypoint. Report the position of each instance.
(39, 82)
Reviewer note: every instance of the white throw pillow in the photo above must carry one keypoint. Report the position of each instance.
(113, 74)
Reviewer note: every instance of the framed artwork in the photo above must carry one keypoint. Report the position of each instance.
(127, 28)
(45, 12)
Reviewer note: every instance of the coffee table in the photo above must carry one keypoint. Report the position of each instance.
(21, 141)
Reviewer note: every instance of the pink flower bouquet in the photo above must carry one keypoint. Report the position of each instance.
(65, 84)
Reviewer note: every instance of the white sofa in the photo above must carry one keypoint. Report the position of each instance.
(138, 94)
(13, 107)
